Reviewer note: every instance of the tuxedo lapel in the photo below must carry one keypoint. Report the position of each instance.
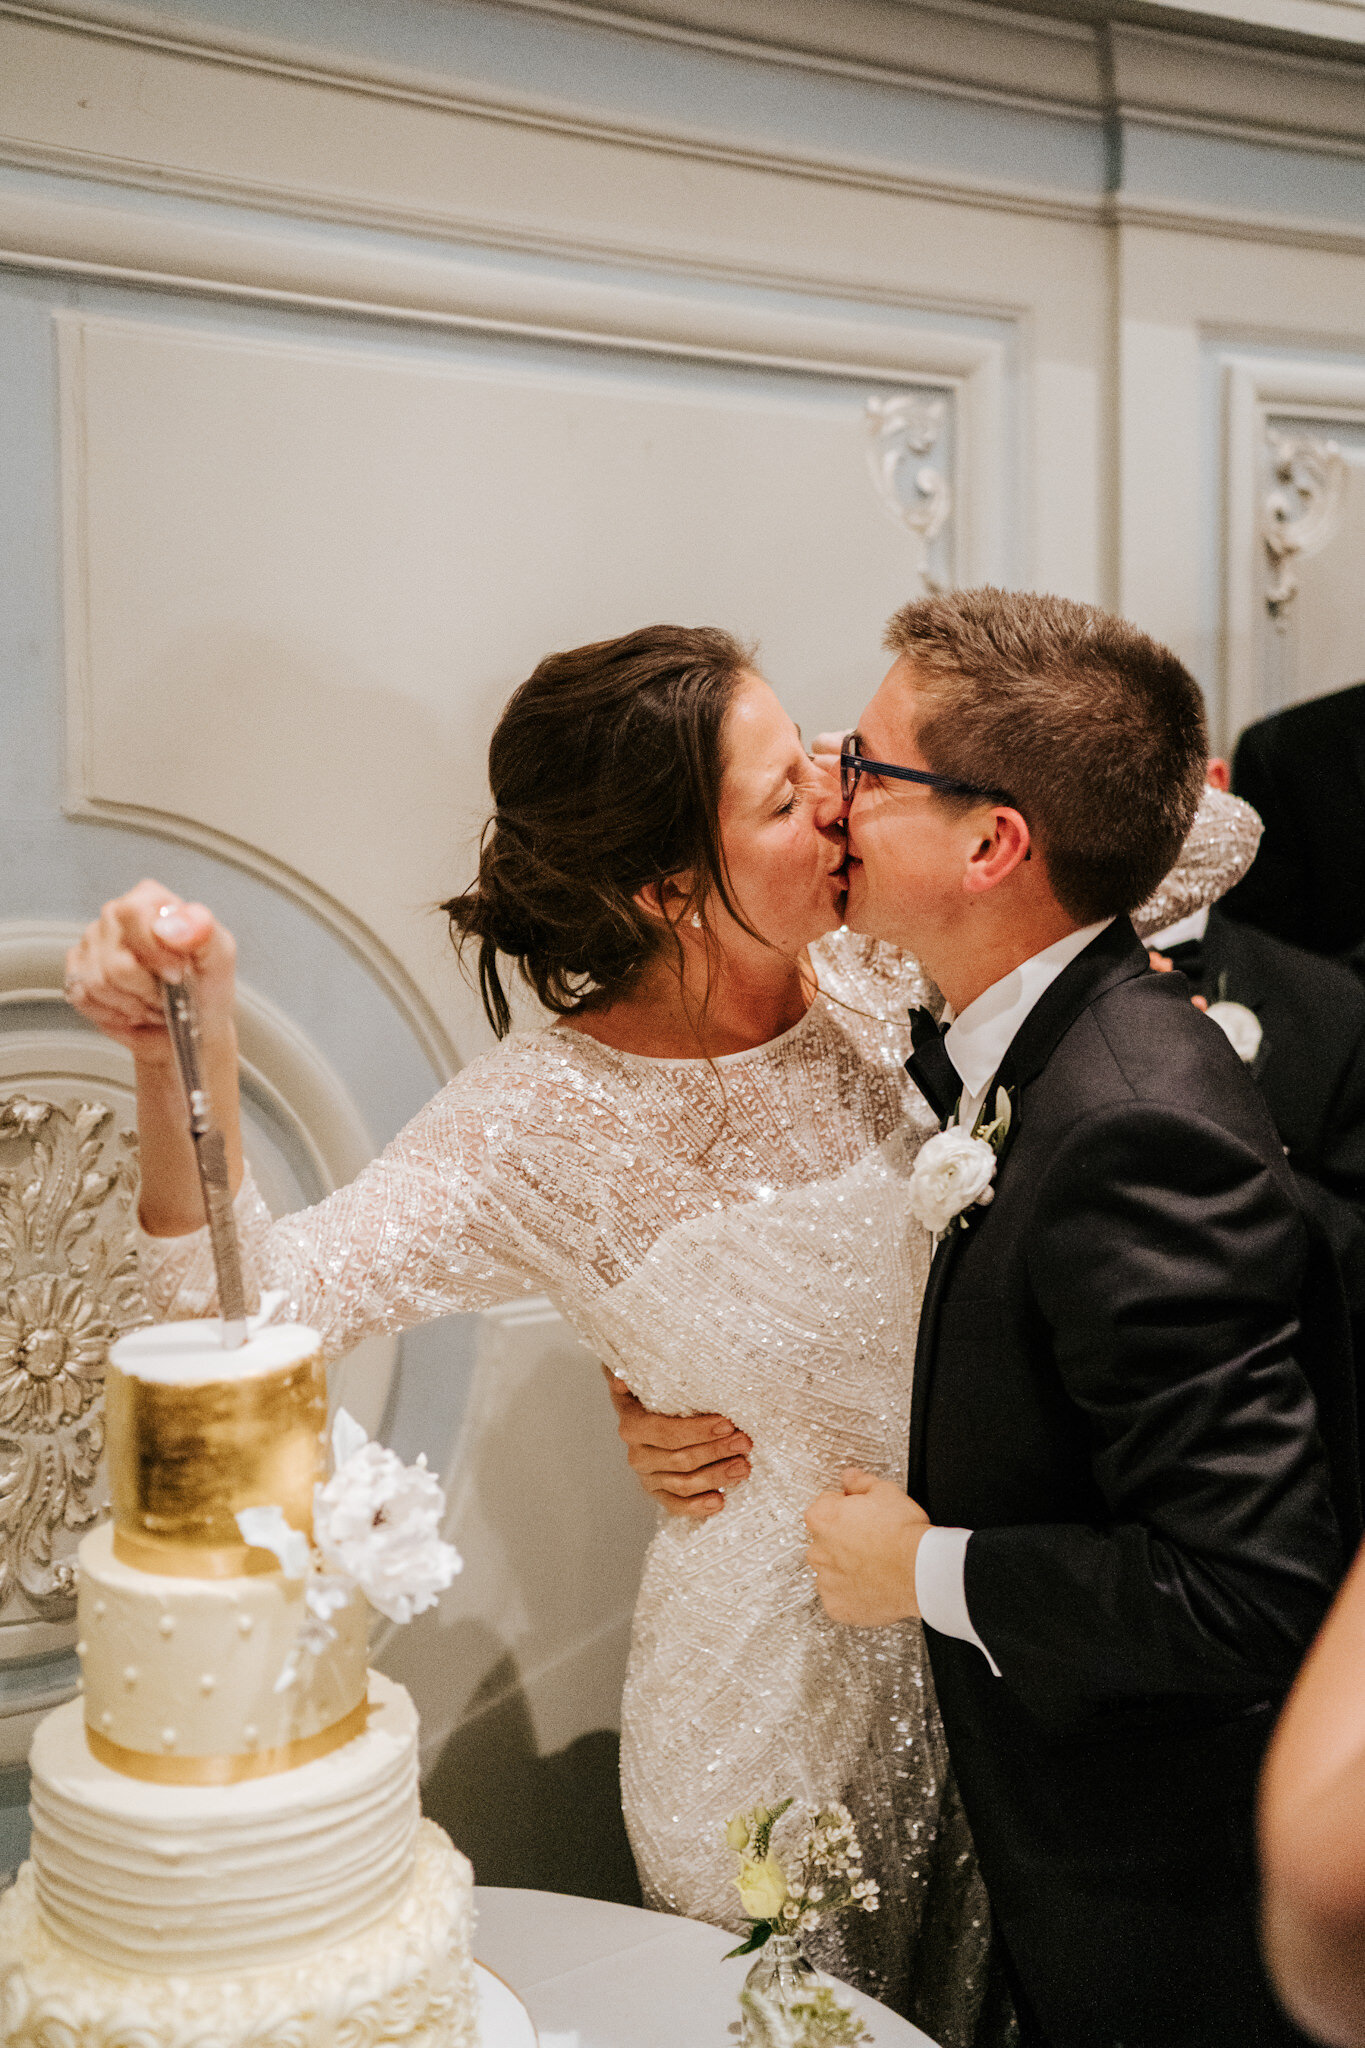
(925, 1350)
(1114, 955)
(1354, 735)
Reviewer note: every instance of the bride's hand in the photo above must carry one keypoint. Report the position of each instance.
(115, 971)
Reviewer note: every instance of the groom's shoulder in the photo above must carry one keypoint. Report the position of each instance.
(1142, 1041)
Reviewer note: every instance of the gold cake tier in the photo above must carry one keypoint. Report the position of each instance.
(196, 1433)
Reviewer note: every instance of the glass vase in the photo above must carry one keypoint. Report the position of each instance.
(780, 1978)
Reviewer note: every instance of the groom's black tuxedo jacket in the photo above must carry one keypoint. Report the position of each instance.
(1108, 1392)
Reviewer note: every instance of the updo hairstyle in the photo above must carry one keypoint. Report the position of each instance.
(606, 770)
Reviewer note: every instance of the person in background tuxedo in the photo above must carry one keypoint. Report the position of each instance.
(1304, 770)
(1298, 1023)
(1119, 1528)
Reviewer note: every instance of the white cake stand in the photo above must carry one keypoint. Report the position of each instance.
(503, 2020)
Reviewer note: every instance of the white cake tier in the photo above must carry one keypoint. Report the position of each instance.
(407, 1978)
(169, 1879)
(178, 1668)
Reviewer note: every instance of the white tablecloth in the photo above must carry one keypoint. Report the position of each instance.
(620, 1978)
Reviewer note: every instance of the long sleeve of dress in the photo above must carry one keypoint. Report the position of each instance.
(1220, 848)
(436, 1223)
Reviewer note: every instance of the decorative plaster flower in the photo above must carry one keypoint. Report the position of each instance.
(953, 1171)
(377, 1523)
(1242, 1026)
(54, 1341)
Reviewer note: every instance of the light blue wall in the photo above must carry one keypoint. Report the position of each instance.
(54, 867)
(62, 868)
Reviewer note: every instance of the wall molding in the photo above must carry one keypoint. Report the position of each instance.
(1244, 110)
(286, 58)
(288, 1077)
(1255, 388)
(279, 1062)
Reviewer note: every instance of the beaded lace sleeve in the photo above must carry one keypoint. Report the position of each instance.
(1221, 847)
(444, 1219)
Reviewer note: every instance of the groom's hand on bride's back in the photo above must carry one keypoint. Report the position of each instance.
(686, 1462)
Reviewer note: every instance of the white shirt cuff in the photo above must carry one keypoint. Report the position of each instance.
(941, 1586)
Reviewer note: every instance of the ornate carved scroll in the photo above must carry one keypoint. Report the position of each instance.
(902, 431)
(1301, 511)
(68, 1288)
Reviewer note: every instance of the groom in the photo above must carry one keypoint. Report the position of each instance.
(1117, 1529)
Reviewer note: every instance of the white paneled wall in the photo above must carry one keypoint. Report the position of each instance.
(302, 580)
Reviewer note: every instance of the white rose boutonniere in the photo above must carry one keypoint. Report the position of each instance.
(1242, 1026)
(955, 1169)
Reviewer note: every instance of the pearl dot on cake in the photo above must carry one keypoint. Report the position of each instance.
(82, 1647)
(168, 1738)
(106, 1719)
(245, 1624)
(251, 1735)
(207, 1683)
(167, 1624)
(130, 1674)
(99, 1610)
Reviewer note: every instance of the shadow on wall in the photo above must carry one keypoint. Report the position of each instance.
(545, 1823)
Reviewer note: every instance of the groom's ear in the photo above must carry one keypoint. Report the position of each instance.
(1002, 847)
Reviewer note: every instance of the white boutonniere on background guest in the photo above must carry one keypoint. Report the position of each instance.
(1242, 1026)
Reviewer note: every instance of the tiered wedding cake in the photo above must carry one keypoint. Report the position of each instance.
(227, 1844)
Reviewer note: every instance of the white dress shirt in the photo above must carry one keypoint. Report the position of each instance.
(976, 1043)
(1192, 927)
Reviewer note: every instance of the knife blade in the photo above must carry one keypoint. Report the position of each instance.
(210, 1156)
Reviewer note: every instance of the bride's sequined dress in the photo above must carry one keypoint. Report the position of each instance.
(730, 1237)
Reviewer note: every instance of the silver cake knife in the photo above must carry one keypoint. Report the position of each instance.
(210, 1154)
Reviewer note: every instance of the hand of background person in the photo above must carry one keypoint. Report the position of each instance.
(115, 970)
(686, 1462)
(1159, 964)
(863, 1546)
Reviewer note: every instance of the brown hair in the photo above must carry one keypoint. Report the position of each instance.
(606, 770)
(1096, 731)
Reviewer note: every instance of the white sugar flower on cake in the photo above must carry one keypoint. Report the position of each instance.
(376, 1530)
(377, 1522)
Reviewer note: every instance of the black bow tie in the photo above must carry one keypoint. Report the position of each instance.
(1188, 956)
(930, 1068)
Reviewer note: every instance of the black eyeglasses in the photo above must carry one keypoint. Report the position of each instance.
(852, 764)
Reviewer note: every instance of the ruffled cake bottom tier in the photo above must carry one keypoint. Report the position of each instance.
(408, 1978)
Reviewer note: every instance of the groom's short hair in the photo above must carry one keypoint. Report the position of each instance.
(1096, 732)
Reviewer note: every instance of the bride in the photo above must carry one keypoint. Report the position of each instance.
(704, 1162)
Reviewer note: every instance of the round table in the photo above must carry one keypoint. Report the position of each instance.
(616, 1977)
